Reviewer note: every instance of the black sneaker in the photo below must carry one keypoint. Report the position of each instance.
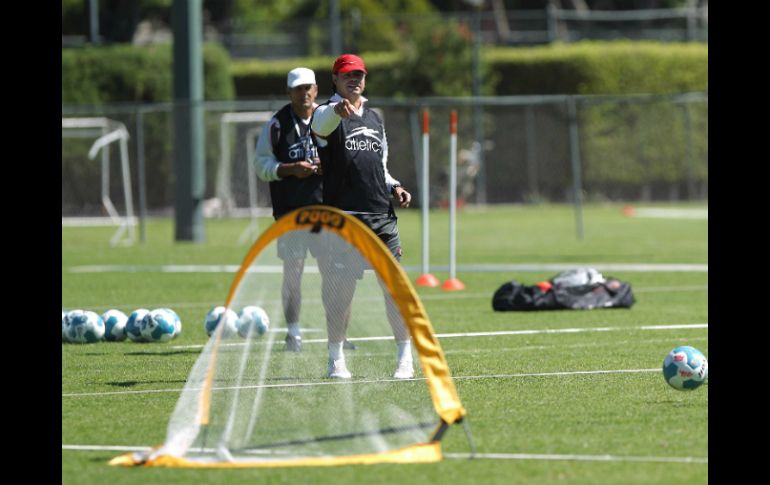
(293, 344)
(346, 344)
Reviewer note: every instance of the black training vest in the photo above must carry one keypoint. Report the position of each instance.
(291, 192)
(353, 174)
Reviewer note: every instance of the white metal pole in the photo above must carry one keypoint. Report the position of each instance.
(106, 176)
(250, 232)
(223, 172)
(425, 189)
(452, 192)
(252, 174)
(452, 284)
(128, 196)
(425, 279)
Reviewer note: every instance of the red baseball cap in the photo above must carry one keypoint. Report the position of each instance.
(348, 62)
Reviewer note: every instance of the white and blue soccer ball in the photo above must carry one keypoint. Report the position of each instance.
(177, 322)
(685, 368)
(253, 322)
(84, 327)
(221, 316)
(133, 330)
(114, 325)
(64, 323)
(158, 326)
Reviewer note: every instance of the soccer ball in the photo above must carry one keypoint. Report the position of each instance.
(177, 322)
(253, 322)
(685, 368)
(158, 326)
(133, 332)
(114, 325)
(84, 327)
(219, 314)
(64, 324)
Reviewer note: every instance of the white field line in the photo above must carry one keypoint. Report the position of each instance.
(663, 213)
(494, 334)
(467, 268)
(372, 381)
(105, 448)
(538, 348)
(464, 456)
(366, 381)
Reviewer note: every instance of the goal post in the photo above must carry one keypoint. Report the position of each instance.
(245, 403)
(106, 131)
(225, 193)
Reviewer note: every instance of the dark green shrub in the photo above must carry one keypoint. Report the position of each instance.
(124, 73)
(621, 67)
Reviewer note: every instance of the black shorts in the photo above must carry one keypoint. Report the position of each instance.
(295, 245)
(344, 260)
(385, 226)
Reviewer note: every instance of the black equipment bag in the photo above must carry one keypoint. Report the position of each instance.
(557, 294)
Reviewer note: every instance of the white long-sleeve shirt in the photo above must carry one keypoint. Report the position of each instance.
(325, 121)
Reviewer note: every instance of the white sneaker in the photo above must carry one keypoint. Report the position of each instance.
(337, 370)
(405, 370)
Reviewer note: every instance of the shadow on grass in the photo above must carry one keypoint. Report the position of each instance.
(106, 459)
(171, 352)
(133, 383)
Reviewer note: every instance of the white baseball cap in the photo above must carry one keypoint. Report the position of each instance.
(300, 76)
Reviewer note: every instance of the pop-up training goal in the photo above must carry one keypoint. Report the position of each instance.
(250, 402)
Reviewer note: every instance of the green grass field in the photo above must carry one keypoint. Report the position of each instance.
(580, 419)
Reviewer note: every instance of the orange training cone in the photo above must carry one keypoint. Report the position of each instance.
(427, 279)
(453, 284)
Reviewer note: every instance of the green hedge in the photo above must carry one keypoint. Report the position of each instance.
(619, 67)
(124, 73)
(264, 79)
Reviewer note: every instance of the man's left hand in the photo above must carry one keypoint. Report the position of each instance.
(403, 197)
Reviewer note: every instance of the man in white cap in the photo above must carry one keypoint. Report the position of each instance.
(287, 157)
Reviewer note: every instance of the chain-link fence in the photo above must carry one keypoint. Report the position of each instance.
(518, 149)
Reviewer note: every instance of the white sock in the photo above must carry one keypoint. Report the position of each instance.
(404, 350)
(293, 329)
(335, 351)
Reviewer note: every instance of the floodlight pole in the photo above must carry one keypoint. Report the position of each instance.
(188, 120)
(334, 28)
(93, 21)
(478, 110)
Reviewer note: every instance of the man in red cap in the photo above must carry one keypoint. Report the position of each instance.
(353, 149)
